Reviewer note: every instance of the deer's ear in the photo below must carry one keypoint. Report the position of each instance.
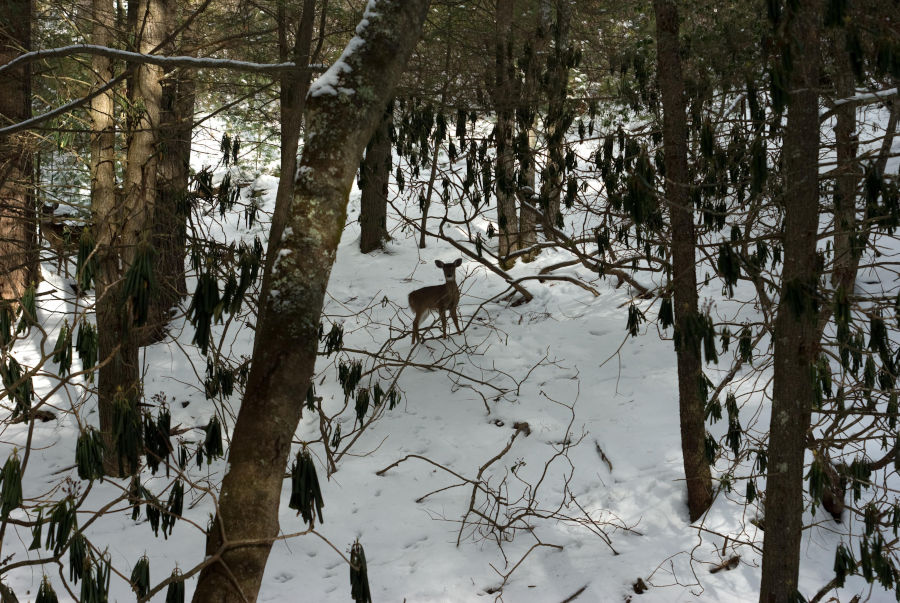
(439, 263)
(458, 262)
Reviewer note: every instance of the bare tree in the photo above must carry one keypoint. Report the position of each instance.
(342, 112)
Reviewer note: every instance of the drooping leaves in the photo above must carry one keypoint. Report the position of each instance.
(306, 496)
(359, 575)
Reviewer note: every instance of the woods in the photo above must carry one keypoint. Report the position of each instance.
(668, 233)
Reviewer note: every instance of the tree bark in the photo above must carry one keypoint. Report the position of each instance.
(504, 105)
(142, 156)
(795, 334)
(527, 110)
(338, 126)
(684, 275)
(558, 120)
(18, 244)
(376, 174)
(294, 86)
(436, 151)
(528, 106)
(122, 227)
(845, 251)
(846, 262)
(103, 206)
(173, 171)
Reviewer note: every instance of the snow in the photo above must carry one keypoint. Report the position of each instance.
(867, 96)
(329, 83)
(561, 363)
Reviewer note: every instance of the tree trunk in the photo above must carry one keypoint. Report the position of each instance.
(122, 228)
(504, 105)
(528, 181)
(528, 105)
(376, 173)
(845, 251)
(173, 171)
(103, 207)
(284, 355)
(558, 120)
(684, 276)
(795, 334)
(294, 87)
(436, 151)
(846, 260)
(142, 156)
(18, 244)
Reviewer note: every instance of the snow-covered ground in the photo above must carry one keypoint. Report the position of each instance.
(596, 475)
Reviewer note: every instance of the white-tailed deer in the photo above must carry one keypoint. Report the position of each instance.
(442, 298)
(63, 239)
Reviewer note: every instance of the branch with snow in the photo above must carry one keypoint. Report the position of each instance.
(329, 83)
(863, 98)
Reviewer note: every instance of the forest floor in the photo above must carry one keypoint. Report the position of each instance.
(595, 479)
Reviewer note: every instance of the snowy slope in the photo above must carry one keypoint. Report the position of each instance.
(610, 511)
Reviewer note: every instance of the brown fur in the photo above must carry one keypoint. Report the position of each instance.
(443, 298)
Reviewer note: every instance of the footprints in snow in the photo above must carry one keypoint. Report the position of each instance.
(415, 544)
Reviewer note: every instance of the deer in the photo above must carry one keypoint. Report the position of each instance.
(442, 298)
(62, 237)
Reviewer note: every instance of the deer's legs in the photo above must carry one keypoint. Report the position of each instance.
(443, 324)
(415, 336)
(455, 321)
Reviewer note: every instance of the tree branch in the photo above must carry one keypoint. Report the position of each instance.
(154, 59)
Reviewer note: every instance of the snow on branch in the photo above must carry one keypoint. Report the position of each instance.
(864, 98)
(153, 59)
(868, 97)
(329, 83)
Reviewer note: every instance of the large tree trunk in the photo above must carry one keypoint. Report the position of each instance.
(557, 121)
(173, 172)
(795, 333)
(338, 126)
(123, 227)
(684, 276)
(376, 174)
(18, 245)
(504, 104)
(142, 157)
(103, 206)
